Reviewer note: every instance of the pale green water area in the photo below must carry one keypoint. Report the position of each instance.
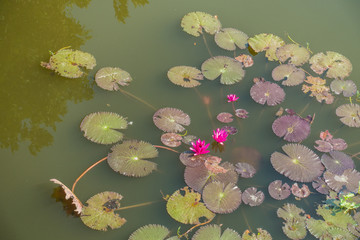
(40, 136)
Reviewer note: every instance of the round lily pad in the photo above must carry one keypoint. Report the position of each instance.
(171, 139)
(150, 232)
(213, 232)
(292, 75)
(336, 162)
(266, 92)
(291, 127)
(230, 70)
(347, 181)
(245, 170)
(230, 130)
(171, 119)
(348, 87)
(302, 192)
(296, 54)
(241, 113)
(229, 38)
(349, 114)
(129, 158)
(266, 42)
(225, 117)
(279, 191)
(188, 159)
(111, 78)
(99, 213)
(289, 212)
(253, 197)
(320, 185)
(102, 127)
(185, 76)
(195, 22)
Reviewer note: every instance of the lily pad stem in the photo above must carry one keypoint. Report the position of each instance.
(157, 146)
(137, 98)
(207, 46)
(88, 169)
(192, 228)
(136, 205)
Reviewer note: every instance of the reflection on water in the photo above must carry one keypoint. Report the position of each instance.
(33, 100)
(121, 8)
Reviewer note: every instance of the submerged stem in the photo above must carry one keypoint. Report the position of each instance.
(207, 46)
(170, 149)
(136, 205)
(192, 228)
(137, 98)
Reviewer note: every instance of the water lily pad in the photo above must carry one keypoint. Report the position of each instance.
(70, 195)
(184, 206)
(221, 198)
(188, 159)
(67, 62)
(150, 232)
(195, 22)
(188, 139)
(348, 181)
(229, 38)
(295, 230)
(302, 192)
(241, 113)
(185, 76)
(230, 130)
(102, 127)
(230, 70)
(291, 127)
(261, 235)
(245, 170)
(318, 89)
(292, 75)
(266, 42)
(111, 78)
(347, 88)
(171, 139)
(296, 54)
(246, 60)
(225, 117)
(290, 211)
(300, 164)
(323, 146)
(213, 232)
(349, 114)
(129, 158)
(253, 197)
(337, 162)
(99, 213)
(279, 191)
(335, 64)
(320, 185)
(171, 119)
(266, 92)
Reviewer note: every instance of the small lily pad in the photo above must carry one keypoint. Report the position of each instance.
(279, 191)
(349, 114)
(171, 139)
(185, 76)
(246, 60)
(110, 78)
(195, 22)
(230, 130)
(188, 159)
(296, 54)
(347, 88)
(188, 139)
(289, 212)
(302, 192)
(292, 75)
(266, 92)
(229, 38)
(253, 197)
(225, 117)
(291, 127)
(171, 119)
(102, 127)
(230, 70)
(150, 232)
(245, 170)
(213, 232)
(266, 42)
(320, 185)
(99, 213)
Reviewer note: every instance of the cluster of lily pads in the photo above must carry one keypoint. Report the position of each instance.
(212, 183)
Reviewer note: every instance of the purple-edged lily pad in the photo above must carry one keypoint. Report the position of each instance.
(253, 197)
(171, 119)
(302, 192)
(188, 159)
(279, 191)
(266, 92)
(245, 170)
(225, 117)
(349, 114)
(291, 127)
(347, 88)
(230, 129)
(347, 181)
(320, 185)
(337, 162)
(111, 78)
(241, 113)
(291, 75)
(171, 139)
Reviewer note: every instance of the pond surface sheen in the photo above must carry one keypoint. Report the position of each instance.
(41, 112)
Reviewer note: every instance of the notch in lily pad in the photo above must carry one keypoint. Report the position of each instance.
(349, 114)
(346, 87)
(296, 54)
(230, 38)
(291, 75)
(195, 22)
(185, 76)
(111, 78)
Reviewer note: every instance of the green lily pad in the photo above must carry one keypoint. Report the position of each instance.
(292, 75)
(187, 208)
(99, 213)
(231, 70)
(266, 42)
(296, 54)
(349, 114)
(110, 78)
(316, 227)
(341, 234)
(150, 232)
(171, 119)
(213, 232)
(261, 235)
(185, 76)
(194, 22)
(335, 64)
(289, 212)
(67, 62)
(295, 230)
(129, 158)
(229, 38)
(338, 219)
(102, 127)
(348, 87)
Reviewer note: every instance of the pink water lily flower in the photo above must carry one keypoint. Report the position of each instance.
(232, 98)
(199, 147)
(220, 135)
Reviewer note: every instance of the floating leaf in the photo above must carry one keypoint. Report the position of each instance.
(187, 208)
(347, 181)
(171, 119)
(347, 88)
(225, 117)
(245, 170)
(101, 127)
(99, 213)
(296, 54)
(171, 139)
(335, 64)
(194, 22)
(229, 38)
(150, 232)
(221, 198)
(266, 92)
(295, 230)
(185, 76)
(241, 113)
(300, 164)
(246, 60)
(188, 139)
(188, 159)
(318, 89)
(67, 62)
(279, 191)
(323, 146)
(289, 212)
(213, 232)
(253, 197)
(349, 114)
(129, 158)
(230, 130)
(230, 70)
(111, 78)
(320, 185)
(292, 127)
(337, 162)
(292, 75)
(70, 195)
(261, 235)
(302, 192)
(266, 42)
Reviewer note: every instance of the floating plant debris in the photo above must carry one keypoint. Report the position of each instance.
(300, 164)
(212, 164)
(171, 119)
(292, 75)
(221, 198)
(320, 185)
(266, 42)
(69, 195)
(129, 158)
(230, 129)
(99, 213)
(230, 70)
(296, 54)
(349, 114)
(67, 62)
(302, 192)
(266, 92)
(318, 89)
(261, 235)
(225, 117)
(171, 139)
(229, 38)
(253, 197)
(348, 181)
(291, 127)
(337, 162)
(245, 170)
(334, 64)
(213, 232)
(279, 191)
(194, 23)
(246, 60)
(185, 76)
(150, 232)
(110, 78)
(347, 88)
(184, 206)
(333, 144)
(102, 127)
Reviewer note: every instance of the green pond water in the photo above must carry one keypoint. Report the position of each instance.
(40, 136)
